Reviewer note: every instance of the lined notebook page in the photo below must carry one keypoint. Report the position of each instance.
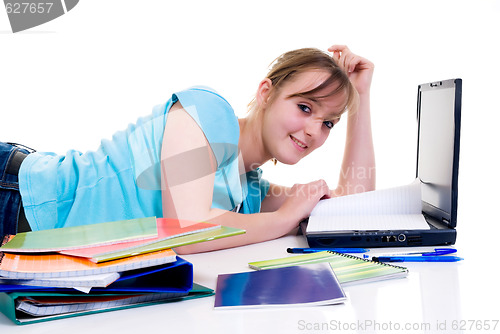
(43, 306)
(99, 280)
(386, 209)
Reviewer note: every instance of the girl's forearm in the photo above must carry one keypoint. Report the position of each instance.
(259, 227)
(358, 166)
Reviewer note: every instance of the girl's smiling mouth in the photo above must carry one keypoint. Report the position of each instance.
(300, 145)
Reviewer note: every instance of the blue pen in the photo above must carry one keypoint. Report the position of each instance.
(440, 251)
(315, 250)
(437, 251)
(417, 258)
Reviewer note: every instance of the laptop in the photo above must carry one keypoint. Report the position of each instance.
(438, 115)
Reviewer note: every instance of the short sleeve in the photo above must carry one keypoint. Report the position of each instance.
(216, 118)
(255, 190)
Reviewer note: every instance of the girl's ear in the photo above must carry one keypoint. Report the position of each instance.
(264, 92)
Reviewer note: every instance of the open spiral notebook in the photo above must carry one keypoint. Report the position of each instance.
(349, 269)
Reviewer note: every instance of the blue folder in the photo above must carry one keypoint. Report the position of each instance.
(171, 277)
(173, 281)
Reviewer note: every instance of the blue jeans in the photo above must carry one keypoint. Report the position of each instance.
(10, 198)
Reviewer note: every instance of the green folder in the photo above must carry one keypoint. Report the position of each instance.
(83, 236)
(8, 304)
(184, 240)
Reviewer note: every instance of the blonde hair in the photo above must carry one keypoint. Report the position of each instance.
(292, 63)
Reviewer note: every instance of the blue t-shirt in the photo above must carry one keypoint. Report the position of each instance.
(121, 179)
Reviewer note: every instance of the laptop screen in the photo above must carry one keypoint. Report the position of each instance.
(439, 107)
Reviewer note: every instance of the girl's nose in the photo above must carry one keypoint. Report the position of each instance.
(313, 127)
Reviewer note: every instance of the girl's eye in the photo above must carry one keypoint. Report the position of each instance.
(304, 108)
(329, 124)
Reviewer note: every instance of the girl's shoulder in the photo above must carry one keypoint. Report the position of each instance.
(202, 94)
(211, 111)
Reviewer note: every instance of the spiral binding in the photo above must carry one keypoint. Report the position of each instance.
(367, 260)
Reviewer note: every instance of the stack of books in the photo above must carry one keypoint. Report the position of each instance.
(72, 271)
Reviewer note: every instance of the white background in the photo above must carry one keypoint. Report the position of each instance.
(87, 74)
(75, 80)
(81, 77)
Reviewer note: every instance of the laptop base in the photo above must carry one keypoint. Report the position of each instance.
(377, 239)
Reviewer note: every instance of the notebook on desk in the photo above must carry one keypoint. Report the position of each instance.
(423, 213)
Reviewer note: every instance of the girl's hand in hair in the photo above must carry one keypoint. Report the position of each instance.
(359, 69)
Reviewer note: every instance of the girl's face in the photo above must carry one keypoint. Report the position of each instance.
(294, 126)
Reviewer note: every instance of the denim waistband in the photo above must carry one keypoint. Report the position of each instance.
(11, 157)
(15, 162)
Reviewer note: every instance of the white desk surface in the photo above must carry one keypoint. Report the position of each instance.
(434, 297)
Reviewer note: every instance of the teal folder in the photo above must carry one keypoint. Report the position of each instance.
(8, 303)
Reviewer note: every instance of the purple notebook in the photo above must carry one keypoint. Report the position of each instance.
(312, 284)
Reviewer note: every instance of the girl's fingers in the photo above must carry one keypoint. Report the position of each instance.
(353, 62)
(338, 47)
(343, 56)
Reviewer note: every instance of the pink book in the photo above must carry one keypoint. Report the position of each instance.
(167, 229)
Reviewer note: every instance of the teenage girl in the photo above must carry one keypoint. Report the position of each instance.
(193, 160)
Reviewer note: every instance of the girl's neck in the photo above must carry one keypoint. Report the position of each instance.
(251, 144)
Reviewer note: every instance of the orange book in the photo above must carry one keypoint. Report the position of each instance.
(29, 266)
